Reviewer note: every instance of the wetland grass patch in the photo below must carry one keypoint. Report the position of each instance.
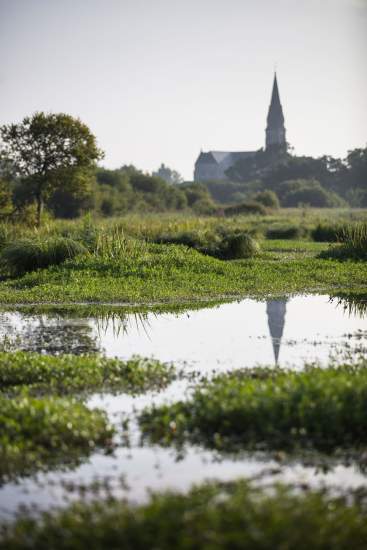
(211, 516)
(320, 408)
(71, 373)
(167, 273)
(40, 433)
(22, 256)
(353, 244)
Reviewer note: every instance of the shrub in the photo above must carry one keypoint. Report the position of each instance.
(245, 208)
(27, 255)
(295, 193)
(286, 232)
(267, 198)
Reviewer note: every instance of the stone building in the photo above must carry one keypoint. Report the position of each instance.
(213, 164)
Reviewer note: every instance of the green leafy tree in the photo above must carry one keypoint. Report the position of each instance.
(168, 175)
(49, 152)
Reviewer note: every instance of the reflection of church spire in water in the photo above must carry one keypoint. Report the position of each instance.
(276, 310)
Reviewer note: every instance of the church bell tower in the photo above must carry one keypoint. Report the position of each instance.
(275, 130)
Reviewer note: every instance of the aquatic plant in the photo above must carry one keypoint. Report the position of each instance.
(319, 408)
(26, 255)
(71, 373)
(177, 274)
(37, 433)
(216, 516)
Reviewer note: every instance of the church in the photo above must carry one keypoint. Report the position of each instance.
(213, 164)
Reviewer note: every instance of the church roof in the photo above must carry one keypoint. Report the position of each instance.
(206, 158)
(227, 158)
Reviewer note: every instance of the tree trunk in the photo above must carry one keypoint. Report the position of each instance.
(39, 209)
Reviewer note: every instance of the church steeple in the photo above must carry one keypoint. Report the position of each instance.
(275, 130)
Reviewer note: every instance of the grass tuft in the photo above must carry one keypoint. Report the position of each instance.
(22, 256)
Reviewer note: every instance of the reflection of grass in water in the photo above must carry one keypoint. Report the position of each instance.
(353, 304)
(122, 322)
(234, 515)
(321, 408)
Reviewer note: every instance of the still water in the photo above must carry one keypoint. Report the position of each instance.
(287, 332)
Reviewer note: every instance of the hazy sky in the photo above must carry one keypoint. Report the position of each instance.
(157, 80)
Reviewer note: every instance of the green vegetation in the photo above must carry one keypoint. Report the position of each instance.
(22, 256)
(38, 434)
(66, 373)
(289, 232)
(47, 152)
(213, 515)
(267, 198)
(223, 244)
(317, 408)
(245, 208)
(297, 180)
(353, 245)
(176, 273)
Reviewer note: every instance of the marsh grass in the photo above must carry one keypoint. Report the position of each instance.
(128, 260)
(222, 244)
(22, 256)
(115, 246)
(326, 232)
(216, 516)
(318, 408)
(38, 433)
(71, 373)
(287, 232)
(353, 239)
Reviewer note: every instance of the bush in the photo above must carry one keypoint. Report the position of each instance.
(27, 255)
(296, 193)
(286, 232)
(267, 198)
(245, 208)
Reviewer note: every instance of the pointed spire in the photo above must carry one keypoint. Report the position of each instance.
(275, 100)
(275, 131)
(276, 311)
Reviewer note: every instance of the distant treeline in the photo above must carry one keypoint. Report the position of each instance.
(296, 180)
(257, 184)
(107, 193)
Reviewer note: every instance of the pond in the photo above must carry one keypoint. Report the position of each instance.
(286, 332)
